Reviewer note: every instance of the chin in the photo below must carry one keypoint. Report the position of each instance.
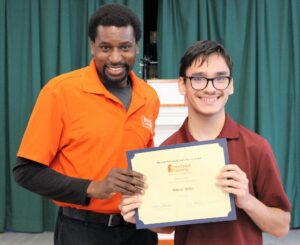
(209, 113)
(115, 80)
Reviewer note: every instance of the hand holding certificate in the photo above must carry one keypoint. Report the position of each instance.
(181, 184)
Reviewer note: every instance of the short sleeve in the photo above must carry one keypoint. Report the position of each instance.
(41, 139)
(268, 185)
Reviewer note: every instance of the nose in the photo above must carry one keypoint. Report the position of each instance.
(210, 86)
(115, 56)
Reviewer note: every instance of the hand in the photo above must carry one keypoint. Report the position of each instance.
(233, 180)
(128, 205)
(120, 180)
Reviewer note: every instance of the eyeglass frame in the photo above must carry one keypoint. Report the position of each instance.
(207, 81)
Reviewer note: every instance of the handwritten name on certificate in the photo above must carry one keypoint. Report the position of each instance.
(182, 184)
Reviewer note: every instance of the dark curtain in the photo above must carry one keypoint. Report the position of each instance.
(263, 38)
(39, 39)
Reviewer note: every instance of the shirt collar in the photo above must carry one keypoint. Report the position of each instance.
(92, 82)
(230, 130)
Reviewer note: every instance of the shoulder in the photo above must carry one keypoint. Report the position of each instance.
(246, 136)
(180, 136)
(68, 79)
(149, 91)
(173, 139)
(65, 85)
(142, 86)
(254, 144)
(252, 138)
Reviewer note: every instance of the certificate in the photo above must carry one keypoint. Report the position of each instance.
(181, 183)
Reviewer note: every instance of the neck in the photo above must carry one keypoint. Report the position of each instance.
(206, 127)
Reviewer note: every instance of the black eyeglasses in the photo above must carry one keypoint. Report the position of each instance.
(200, 83)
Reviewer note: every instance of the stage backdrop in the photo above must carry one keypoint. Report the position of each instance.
(263, 38)
(40, 39)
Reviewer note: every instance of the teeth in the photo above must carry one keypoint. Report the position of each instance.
(209, 99)
(115, 68)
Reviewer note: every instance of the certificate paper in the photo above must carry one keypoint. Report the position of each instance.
(181, 183)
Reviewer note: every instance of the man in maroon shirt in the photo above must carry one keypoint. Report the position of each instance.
(205, 79)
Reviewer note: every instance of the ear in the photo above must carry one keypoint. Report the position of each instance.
(231, 87)
(92, 47)
(181, 86)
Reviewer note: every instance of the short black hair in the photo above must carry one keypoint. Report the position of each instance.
(202, 50)
(114, 14)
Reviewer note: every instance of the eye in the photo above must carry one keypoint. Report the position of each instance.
(198, 79)
(105, 48)
(125, 47)
(221, 79)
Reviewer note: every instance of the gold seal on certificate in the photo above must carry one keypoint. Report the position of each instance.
(182, 184)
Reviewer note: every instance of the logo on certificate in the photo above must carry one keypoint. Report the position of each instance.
(178, 168)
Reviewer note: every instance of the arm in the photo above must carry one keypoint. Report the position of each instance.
(269, 219)
(129, 204)
(47, 182)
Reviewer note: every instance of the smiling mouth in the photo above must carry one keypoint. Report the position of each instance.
(115, 70)
(210, 99)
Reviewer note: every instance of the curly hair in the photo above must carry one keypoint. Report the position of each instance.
(114, 14)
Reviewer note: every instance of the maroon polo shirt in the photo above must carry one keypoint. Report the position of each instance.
(253, 154)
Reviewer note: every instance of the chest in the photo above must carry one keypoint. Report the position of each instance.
(98, 119)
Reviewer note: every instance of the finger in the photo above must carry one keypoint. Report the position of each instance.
(234, 191)
(232, 183)
(135, 174)
(117, 182)
(128, 177)
(129, 173)
(233, 175)
(125, 180)
(129, 217)
(127, 189)
(231, 167)
(125, 200)
(129, 207)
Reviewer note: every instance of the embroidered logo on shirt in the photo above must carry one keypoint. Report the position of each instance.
(147, 123)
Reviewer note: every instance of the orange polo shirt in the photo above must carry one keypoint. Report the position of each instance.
(80, 129)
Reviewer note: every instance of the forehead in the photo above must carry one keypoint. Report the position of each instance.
(115, 34)
(215, 63)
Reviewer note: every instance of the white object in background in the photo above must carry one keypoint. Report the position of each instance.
(170, 118)
(167, 90)
(166, 236)
(171, 115)
(172, 111)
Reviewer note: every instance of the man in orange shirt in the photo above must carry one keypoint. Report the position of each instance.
(74, 148)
